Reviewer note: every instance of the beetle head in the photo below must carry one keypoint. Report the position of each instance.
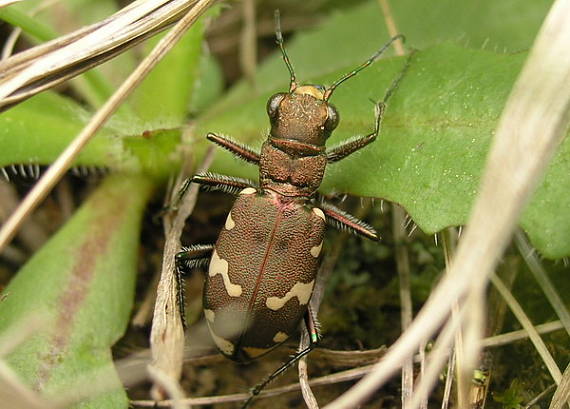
(302, 115)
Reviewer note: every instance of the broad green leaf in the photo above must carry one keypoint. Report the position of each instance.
(156, 151)
(502, 26)
(39, 129)
(350, 36)
(209, 85)
(83, 281)
(435, 136)
(163, 98)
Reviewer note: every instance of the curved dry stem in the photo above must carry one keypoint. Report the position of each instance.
(167, 334)
(171, 386)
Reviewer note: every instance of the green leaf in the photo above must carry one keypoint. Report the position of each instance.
(83, 280)
(210, 85)
(36, 29)
(479, 24)
(350, 36)
(156, 151)
(163, 98)
(436, 130)
(39, 129)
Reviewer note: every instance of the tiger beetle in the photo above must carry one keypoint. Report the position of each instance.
(263, 267)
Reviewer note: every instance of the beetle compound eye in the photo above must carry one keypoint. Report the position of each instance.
(332, 118)
(273, 104)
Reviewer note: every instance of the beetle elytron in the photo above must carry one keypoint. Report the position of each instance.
(263, 266)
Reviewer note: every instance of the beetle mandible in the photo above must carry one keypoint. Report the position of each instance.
(263, 266)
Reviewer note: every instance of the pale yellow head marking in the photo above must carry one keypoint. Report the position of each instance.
(210, 315)
(230, 224)
(300, 290)
(223, 344)
(280, 337)
(310, 90)
(319, 213)
(316, 251)
(220, 266)
(248, 191)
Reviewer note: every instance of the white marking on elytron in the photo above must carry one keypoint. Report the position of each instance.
(319, 213)
(210, 315)
(315, 251)
(254, 352)
(248, 191)
(300, 290)
(223, 344)
(230, 224)
(220, 266)
(280, 337)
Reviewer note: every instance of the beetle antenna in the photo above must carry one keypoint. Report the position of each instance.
(279, 37)
(362, 66)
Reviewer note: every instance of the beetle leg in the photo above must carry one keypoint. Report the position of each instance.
(227, 184)
(185, 261)
(347, 222)
(213, 181)
(193, 257)
(352, 145)
(312, 327)
(238, 149)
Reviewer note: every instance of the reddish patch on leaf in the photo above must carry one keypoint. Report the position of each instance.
(104, 223)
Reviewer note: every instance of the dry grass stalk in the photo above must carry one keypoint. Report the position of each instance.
(167, 335)
(561, 397)
(4, 3)
(44, 66)
(542, 279)
(527, 325)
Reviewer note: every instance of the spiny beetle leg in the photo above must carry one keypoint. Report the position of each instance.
(314, 338)
(238, 149)
(192, 257)
(347, 222)
(213, 181)
(223, 183)
(352, 145)
(186, 260)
